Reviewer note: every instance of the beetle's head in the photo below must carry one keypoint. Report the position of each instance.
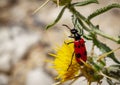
(73, 31)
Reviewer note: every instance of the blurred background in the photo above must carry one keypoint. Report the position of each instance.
(25, 44)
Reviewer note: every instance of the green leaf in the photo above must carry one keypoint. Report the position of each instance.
(74, 21)
(88, 37)
(118, 41)
(85, 2)
(104, 48)
(77, 25)
(101, 33)
(102, 10)
(57, 19)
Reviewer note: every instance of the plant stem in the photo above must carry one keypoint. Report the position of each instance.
(94, 30)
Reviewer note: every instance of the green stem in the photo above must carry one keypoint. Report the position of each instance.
(115, 39)
(80, 17)
(94, 29)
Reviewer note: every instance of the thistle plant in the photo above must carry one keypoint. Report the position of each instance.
(95, 69)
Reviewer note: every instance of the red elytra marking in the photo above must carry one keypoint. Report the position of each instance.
(79, 46)
(80, 50)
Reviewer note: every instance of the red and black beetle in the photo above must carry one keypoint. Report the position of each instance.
(79, 46)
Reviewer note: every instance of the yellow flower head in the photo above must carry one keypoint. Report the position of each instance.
(62, 61)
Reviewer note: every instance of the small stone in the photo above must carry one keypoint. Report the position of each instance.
(4, 79)
(38, 77)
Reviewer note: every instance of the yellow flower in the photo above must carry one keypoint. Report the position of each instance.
(62, 61)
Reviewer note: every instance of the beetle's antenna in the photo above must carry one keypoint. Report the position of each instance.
(66, 26)
(41, 7)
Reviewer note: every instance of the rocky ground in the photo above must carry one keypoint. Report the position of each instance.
(25, 44)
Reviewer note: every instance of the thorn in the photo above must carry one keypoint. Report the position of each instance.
(105, 54)
(107, 76)
(87, 65)
(58, 2)
(41, 7)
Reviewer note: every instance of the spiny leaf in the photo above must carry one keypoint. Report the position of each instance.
(102, 10)
(88, 37)
(77, 25)
(104, 48)
(74, 20)
(105, 54)
(119, 41)
(57, 19)
(85, 2)
(101, 33)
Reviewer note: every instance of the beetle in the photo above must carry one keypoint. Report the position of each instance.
(79, 46)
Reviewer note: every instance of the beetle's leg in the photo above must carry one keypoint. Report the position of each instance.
(71, 61)
(71, 36)
(68, 43)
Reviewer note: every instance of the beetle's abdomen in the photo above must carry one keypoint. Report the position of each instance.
(80, 50)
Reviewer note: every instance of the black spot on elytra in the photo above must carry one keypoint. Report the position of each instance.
(75, 46)
(82, 45)
(78, 55)
(78, 46)
(85, 53)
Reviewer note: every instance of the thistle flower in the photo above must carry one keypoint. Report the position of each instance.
(91, 70)
(62, 61)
